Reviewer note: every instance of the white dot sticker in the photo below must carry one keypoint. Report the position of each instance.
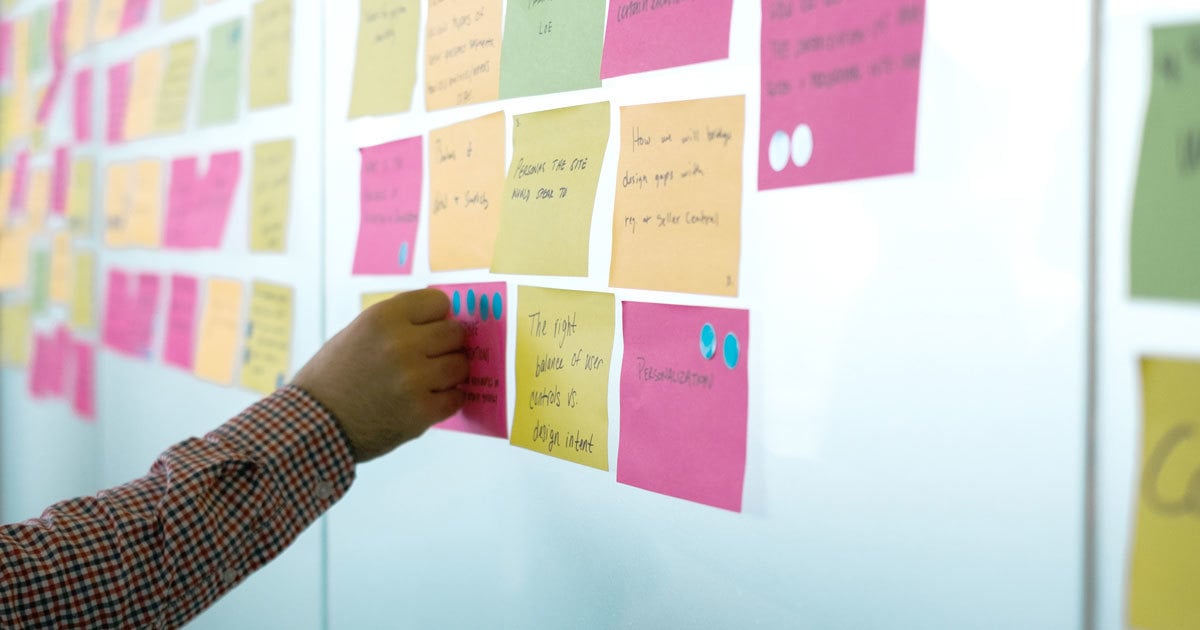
(778, 151)
(802, 145)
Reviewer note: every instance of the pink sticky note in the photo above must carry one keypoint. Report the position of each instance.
(83, 105)
(60, 350)
(5, 47)
(181, 322)
(83, 390)
(118, 100)
(644, 35)
(61, 177)
(58, 38)
(684, 402)
(839, 90)
(198, 207)
(38, 368)
(134, 14)
(49, 98)
(129, 311)
(390, 202)
(20, 189)
(481, 309)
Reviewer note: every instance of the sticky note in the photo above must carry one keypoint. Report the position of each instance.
(180, 346)
(175, 9)
(462, 53)
(16, 327)
(221, 91)
(271, 196)
(482, 310)
(143, 94)
(6, 190)
(134, 14)
(82, 111)
(839, 90)
(47, 99)
(79, 15)
(130, 309)
(390, 201)
(39, 265)
(176, 89)
(119, 78)
(385, 60)
(133, 204)
(83, 291)
(677, 218)
(1166, 544)
(61, 266)
(198, 207)
(546, 219)
(267, 359)
(47, 368)
(1164, 259)
(220, 330)
(79, 196)
(5, 57)
(60, 180)
(564, 353)
(83, 387)
(371, 299)
(551, 47)
(684, 402)
(20, 185)
(39, 40)
(14, 257)
(37, 204)
(466, 182)
(271, 54)
(58, 39)
(643, 35)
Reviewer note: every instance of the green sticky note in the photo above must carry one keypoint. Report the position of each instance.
(39, 40)
(222, 74)
(551, 47)
(41, 281)
(1165, 241)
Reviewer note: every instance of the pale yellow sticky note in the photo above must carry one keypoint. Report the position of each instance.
(107, 20)
(176, 91)
(175, 9)
(18, 111)
(271, 54)
(371, 299)
(220, 329)
(79, 15)
(142, 111)
(677, 224)
(133, 204)
(564, 355)
(268, 356)
(37, 204)
(385, 62)
(79, 196)
(6, 120)
(83, 298)
(14, 257)
(6, 190)
(546, 220)
(271, 196)
(1166, 546)
(462, 53)
(466, 181)
(16, 330)
(61, 267)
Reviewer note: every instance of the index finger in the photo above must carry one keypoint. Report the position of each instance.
(423, 306)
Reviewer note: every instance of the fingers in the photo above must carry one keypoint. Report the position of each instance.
(447, 372)
(442, 405)
(421, 307)
(443, 337)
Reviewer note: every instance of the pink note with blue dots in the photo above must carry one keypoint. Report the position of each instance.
(481, 308)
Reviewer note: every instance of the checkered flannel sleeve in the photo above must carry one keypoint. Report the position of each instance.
(157, 551)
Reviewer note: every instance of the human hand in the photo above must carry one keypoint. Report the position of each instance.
(392, 373)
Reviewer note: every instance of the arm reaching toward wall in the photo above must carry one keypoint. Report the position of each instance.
(159, 550)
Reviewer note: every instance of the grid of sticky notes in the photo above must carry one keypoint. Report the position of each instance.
(62, 206)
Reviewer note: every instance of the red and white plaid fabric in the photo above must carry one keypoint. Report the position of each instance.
(157, 551)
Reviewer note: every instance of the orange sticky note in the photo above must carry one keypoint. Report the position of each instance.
(37, 204)
(107, 20)
(14, 257)
(678, 212)
(142, 110)
(466, 181)
(462, 53)
(220, 329)
(133, 204)
(60, 268)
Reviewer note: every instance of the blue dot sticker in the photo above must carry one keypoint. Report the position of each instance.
(497, 307)
(484, 310)
(708, 341)
(403, 253)
(732, 350)
(471, 301)
(456, 302)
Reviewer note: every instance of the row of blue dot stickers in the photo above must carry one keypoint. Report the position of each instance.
(731, 349)
(493, 308)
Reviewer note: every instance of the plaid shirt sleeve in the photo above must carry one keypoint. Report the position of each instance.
(159, 550)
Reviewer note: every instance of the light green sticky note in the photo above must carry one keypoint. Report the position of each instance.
(1165, 241)
(39, 40)
(41, 281)
(222, 74)
(551, 47)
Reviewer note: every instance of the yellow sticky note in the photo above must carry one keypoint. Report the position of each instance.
(6, 190)
(83, 298)
(37, 204)
(79, 196)
(141, 113)
(14, 257)
(466, 181)
(385, 61)
(271, 196)
(79, 15)
(133, 204)
(371, 299)
(60, 268)
(564, 354)
(175, 9)
(220, 329)
(677, 223)
(271, 54)
(546, 220)
(176, 90)
(268, 356)
(16, 329)
(462, 53)
(1166, 546)
(107, 20)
